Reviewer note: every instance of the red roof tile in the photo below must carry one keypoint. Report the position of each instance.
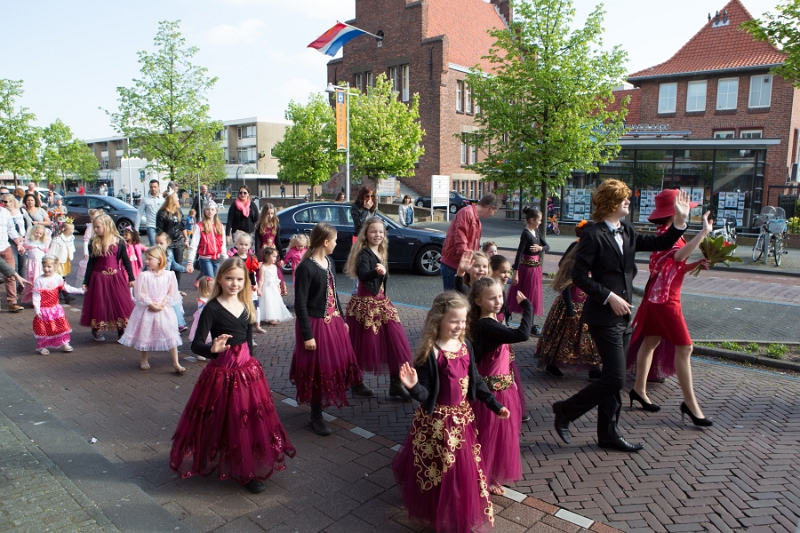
(465, 23)
(634, 106)
(721, 48)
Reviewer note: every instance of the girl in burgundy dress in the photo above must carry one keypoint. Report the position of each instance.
(378, 337)
(229, 423)
(108, 303)
(439, 467)
(499, 439)
(528, 266)
(268, 232)
(323, 363)
(661, 345)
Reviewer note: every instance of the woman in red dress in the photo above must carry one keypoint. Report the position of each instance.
(661, 345)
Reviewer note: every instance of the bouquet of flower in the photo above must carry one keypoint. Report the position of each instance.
(716, 251)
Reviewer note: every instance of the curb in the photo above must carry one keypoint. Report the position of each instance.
(743, 357)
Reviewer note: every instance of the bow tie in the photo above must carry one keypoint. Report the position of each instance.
(618, 231)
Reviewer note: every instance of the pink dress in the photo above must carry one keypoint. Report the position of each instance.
(50, 324)
(293, 257)
(136, 255)
(201, 302)
(151, 331)
(35, 252)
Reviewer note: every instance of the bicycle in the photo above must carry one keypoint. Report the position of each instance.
(728, 230)
(772, 230)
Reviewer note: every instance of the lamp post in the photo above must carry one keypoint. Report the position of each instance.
(334, 89)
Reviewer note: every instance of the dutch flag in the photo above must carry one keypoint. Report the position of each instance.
(332, 40)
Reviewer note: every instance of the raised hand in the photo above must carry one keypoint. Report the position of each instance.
(408, 376)
(681, 208)
(218, 345)
(520, 297)
(707, 226)
(465, 262)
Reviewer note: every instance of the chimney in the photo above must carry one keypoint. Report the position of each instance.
(503, 7)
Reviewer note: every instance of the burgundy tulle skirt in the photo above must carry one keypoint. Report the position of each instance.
(439, 471)
(108, 303)
(323, 376)
(499, 439)
(230, 423)
(530, 283)
(379, 339)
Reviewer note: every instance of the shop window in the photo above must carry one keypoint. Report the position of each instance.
(760, 91)
(696, 96)
(667, 94)
(727, 93)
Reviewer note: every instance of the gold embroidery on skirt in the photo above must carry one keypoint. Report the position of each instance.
(372, 312)
(530, 263)
(434, 444)
(500, 381)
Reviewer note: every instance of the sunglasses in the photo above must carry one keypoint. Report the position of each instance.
(369, 196)
(242, 193)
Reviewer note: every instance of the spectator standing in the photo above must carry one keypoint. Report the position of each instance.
(9, 201)
(283, 190)
(464, 235)
(149, 207)
(405, 212)
(205, 198)
(102, 190)
(9, 231)
(81, 190)
(170, 220)
(36, 215)
(242, 214)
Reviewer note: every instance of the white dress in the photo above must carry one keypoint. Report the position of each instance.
(151, 331)
(63, 248)
(271, 306)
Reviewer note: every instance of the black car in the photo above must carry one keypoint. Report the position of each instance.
(123, 213)
(414, 248)
(456, 201)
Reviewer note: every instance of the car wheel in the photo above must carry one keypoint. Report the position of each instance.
(123, 224)
(428, 260)
(420, 204)
(453, 208)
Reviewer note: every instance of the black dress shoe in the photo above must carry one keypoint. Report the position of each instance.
(255, 486)
(362, 390)
(318, 426)
(595, 373)
(560, 422)
(620, 444)
(526, 417)
(553, 370)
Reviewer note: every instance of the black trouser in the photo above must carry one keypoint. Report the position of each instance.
(612, 344)
(177, 252)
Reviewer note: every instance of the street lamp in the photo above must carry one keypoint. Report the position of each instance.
(333, 89)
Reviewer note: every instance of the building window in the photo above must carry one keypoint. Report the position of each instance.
(464, 151)
(370, 79)
(405, 74)
(247, 132)
(696, 96)
(667, 93)
(760, 91)
(473, 154)
(357, 81)
(393, 77)
(104, 163)
(468, 99)
(225, 154)
(104, 147)
(459, 96)
(750, 134)
(727, 134)
(247, 155)
(727, 93)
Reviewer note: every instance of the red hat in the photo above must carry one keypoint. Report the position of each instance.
(665, 204)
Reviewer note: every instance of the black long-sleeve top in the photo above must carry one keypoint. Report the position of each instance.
(238, 222)
(490, 334)
(367, 273)
(219, 321)
(566, 294)
(426, 391)
(528, 239)
(311, 293)
(360, 215)
(122, 255)
(172, 224)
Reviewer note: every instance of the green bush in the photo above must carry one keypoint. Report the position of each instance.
(777, 351)
(727, 345)
(752, 347)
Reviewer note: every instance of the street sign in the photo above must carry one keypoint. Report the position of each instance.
(387, 187)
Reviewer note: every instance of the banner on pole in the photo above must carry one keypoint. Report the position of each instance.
(341, 119)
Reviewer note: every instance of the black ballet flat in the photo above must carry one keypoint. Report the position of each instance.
(701, 422)
(650, 407)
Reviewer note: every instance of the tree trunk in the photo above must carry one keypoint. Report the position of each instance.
(15, 180)
(543, 202)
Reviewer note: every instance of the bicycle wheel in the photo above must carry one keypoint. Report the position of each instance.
(778, 247)
(758, 247)
(767, 243)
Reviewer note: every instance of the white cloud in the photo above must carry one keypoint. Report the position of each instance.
(332, 10)
(247, 32)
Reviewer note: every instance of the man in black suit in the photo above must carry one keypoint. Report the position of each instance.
(604, 269)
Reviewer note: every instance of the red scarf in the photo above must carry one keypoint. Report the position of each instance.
(244, 208)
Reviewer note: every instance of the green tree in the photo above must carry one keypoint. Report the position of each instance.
(61, 155)
(385, 133)
(543, 106)
(307, 152)
(165, 114)
(19, 138)
(781, 31)
(82, 162)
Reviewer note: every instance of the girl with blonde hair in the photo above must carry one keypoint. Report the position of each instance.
(50, 325)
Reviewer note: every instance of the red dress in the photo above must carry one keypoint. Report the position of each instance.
(660, 313)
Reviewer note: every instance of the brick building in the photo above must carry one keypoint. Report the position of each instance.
(428, 47)
(711, 120)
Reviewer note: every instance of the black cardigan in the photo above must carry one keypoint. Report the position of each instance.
(238, 222)
(526, 240)
(426, 391)
(490, 334)
(217, 320)
(367, 273)
(172, 225)
(311, 293)
(122, 255)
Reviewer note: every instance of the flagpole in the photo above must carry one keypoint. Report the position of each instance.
(359, 29)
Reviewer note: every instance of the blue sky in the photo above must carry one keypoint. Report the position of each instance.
(73, 54)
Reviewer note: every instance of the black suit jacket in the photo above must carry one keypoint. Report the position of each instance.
(601, 269)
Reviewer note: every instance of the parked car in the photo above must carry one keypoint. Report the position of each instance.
(456, 201)
(123, 213)
(44, 193)
(413, 248)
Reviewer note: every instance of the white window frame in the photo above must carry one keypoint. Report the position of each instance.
(696, 102)
(751, 134)
(725, 134)
(467, 99)
(370, 80)
(464, 150)
(405, 73)
(393, 76)
(759, 83)
(358, 81)
(723, 106)
(459, 96)
(473, 154)
(667, 102)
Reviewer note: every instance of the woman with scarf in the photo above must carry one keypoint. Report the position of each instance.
(661, 345)
(242, 214)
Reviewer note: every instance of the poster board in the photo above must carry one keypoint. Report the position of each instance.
(730, 204)
(580, 204)
(440, 193)
(647, 203)
(387, 187)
